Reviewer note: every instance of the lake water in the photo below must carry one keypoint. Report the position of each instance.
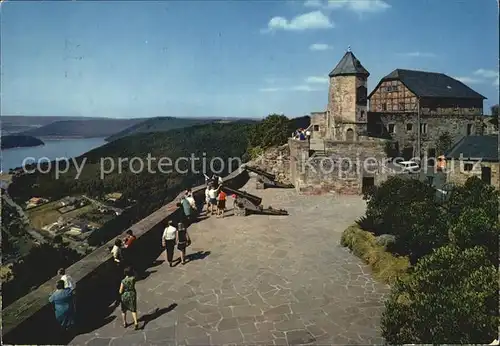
(53, 148)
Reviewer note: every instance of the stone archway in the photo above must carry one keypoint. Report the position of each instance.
(349, 135)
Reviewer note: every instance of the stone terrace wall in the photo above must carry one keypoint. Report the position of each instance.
(275, 161)
(30, 320)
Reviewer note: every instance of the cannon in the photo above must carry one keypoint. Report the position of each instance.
(246, 203)
(267, 179)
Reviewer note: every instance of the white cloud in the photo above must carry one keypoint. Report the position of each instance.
(358, 6)
(317, 80)
(269, 90)
(320, 46)
(418, 55)
(311, 20)
(304, 88)
(468, 80)
(486, 73)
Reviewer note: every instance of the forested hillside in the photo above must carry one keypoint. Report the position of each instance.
(150, 189)
(159, 124)
(85, 128)
(16, 141)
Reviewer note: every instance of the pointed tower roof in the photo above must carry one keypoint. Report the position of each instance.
(349, 65)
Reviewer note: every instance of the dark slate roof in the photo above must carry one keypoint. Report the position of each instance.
(349, 65)
(432, 84)
(484, 147)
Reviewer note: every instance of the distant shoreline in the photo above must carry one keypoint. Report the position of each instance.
(19, 141)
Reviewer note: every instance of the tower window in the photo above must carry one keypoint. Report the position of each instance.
(409, 127)
(392, 128)
(315, 128)
(423, 128)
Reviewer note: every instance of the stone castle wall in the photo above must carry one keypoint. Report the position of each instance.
(341, 170)
(432, 128)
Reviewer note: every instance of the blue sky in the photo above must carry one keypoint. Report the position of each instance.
(229, 58)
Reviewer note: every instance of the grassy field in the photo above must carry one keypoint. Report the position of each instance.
(47, 214)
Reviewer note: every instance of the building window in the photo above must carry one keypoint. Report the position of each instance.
(409, 127)
(392, 128)
(401, 106)
(363, 115)
(469, 129)
(423, 128)
(384, 106)
(468, 167)
(315, 127)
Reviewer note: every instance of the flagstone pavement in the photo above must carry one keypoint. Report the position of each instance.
(260, 280)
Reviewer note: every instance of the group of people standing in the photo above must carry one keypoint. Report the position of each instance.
(302, 134)
(64, 300)
(64, 297)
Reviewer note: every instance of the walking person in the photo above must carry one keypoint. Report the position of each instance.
(128, 297)
(183, 241)
(168, 241)
(62, 298)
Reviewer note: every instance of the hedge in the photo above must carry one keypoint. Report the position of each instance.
(385, 266)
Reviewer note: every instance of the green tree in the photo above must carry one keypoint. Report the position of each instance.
(494, 114)
(451, 297)
(394, 194)
(474, 227)
(274, 130)
(474, 193)
(419, 228)
(444, 143)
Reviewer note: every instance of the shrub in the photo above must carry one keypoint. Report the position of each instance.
(477, 193)
(363, 244)
(451, 296)
(474, 227)
(419, 228)
(408, 210)
(394, 194)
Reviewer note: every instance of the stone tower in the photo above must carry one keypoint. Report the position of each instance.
(347, 99)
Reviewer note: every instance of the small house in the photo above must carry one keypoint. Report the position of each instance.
(474, 156)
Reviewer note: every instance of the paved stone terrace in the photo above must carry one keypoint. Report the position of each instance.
(267, 280)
